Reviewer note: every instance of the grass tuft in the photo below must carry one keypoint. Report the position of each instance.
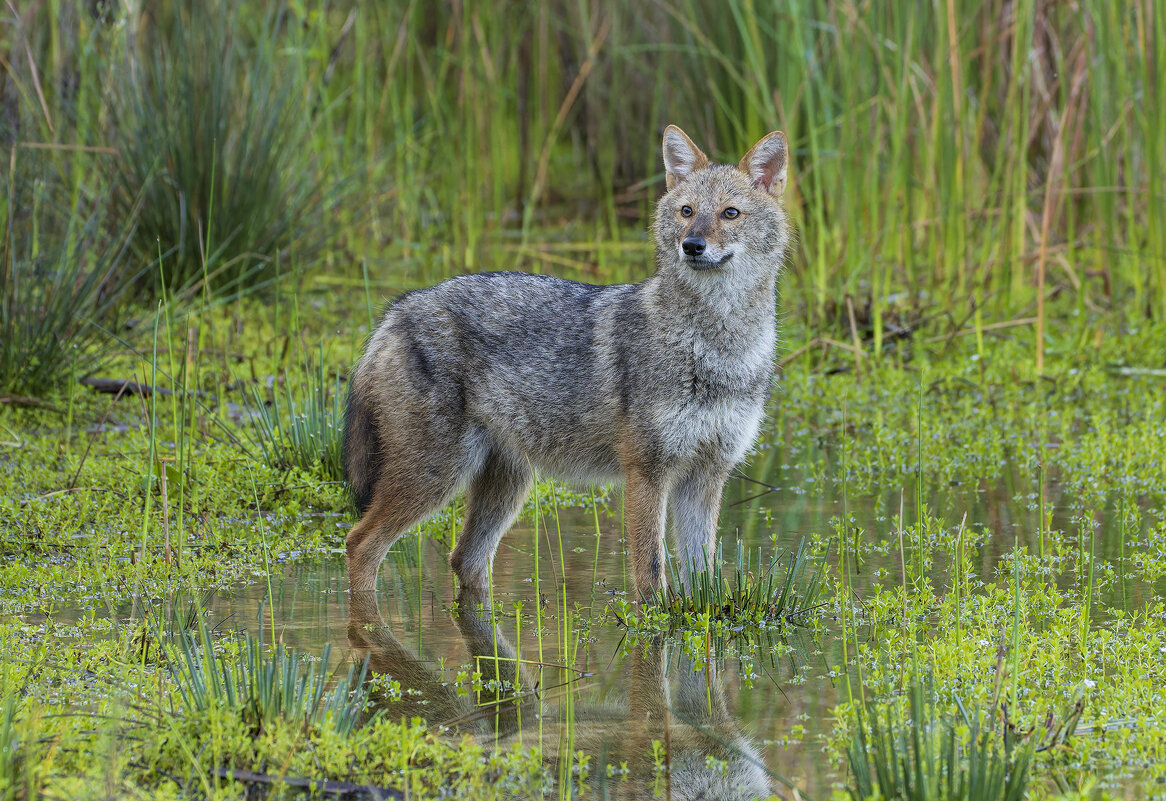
(301, 427)
(214, 130)
(263, 685)
(754, 593)
(56, 295)
(926, 756)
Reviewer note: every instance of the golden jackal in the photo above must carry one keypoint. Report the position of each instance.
(482, 379)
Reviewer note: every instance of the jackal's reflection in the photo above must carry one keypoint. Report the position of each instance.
(683, 723)
(426, 693)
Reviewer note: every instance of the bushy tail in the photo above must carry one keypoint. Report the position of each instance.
(363, 450)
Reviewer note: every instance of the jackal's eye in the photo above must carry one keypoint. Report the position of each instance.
(730, 213)
(686, 211)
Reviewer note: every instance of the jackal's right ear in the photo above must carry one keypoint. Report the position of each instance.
(681, 157)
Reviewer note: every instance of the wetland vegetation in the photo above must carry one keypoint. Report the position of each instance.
(943, 569)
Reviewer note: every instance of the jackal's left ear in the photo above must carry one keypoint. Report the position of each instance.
(765, 163)
(681, 157)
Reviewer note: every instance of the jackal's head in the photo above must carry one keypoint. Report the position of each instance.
(722, 220)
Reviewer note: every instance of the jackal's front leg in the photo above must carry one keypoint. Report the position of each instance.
(696, 506)
(644, 505)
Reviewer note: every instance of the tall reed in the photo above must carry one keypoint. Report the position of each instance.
(63, 278)
(213, 125)
(957, 162)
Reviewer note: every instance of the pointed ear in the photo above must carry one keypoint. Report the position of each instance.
(681, 157)
(765, 163)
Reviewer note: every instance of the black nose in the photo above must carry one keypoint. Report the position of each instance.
(692, 246)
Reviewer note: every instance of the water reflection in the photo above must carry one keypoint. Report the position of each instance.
(727, 729)
(664, 727)
(422, 690)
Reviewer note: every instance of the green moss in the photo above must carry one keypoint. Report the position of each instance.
(403, 756)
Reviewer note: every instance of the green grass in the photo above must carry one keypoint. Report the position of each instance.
(213, 124)
(926, 756)
(754, 591)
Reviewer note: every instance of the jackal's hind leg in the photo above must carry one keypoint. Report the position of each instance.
(401, 499)
(494, 498)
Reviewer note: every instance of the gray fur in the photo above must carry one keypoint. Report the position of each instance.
(484, 378)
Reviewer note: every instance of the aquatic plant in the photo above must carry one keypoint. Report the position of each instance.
(302, 424)
(926, 755)
(755, 592)
(262, 684)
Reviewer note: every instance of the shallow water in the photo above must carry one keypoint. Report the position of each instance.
(726, 724)
(729, 727)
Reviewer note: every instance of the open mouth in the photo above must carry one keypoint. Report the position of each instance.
(705, 263)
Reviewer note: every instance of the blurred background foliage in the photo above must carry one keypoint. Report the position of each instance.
(955, 163)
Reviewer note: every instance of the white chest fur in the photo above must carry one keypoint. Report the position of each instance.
(724, 421)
